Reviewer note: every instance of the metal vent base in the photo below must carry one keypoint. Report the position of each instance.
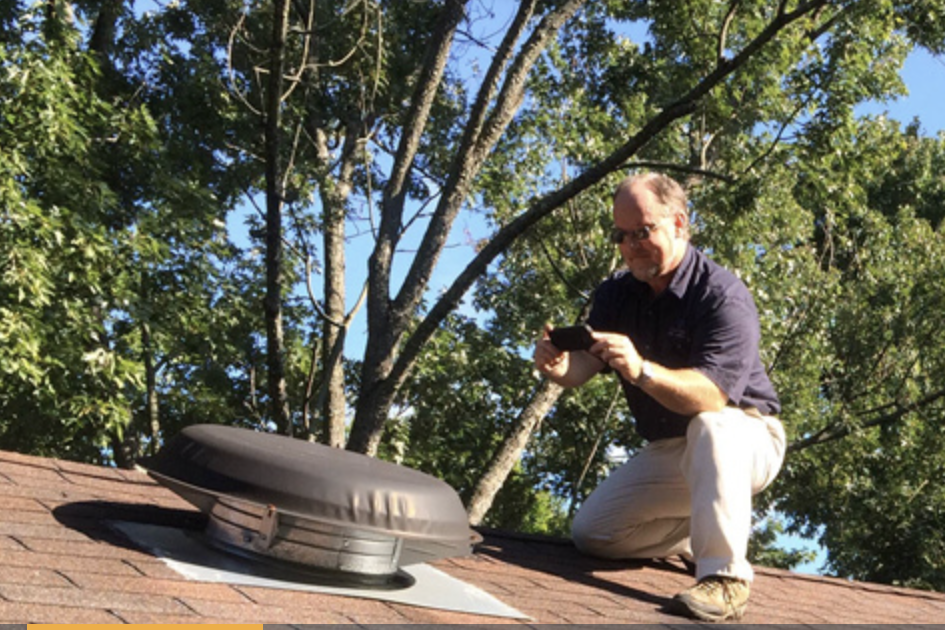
(316, 549)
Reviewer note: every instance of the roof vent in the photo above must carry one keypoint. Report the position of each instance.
(325, 511)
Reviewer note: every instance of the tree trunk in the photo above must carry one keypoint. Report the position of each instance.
(384, 371)
(386, 325)
(123, 452)
(102, 37)
(335, 188)
(333, 326)
(511, 449)
(275, 342)
(150, 377)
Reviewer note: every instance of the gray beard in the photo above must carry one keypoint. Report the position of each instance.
(646, 274)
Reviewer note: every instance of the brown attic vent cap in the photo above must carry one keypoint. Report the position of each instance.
(309, 504)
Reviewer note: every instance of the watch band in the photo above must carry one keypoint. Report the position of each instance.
(646, 374)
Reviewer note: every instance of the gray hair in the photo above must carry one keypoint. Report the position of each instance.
(668, 192)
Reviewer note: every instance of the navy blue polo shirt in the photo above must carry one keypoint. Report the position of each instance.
(705, 320)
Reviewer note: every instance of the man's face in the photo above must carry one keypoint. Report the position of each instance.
(652, 245)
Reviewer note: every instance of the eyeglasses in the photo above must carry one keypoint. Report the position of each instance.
(617, 236)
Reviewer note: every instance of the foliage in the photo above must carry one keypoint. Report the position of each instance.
(127, 138)
(848, 281)
(874, 445)
(58, 243)
(466, 391)
(764, 549)
(463, 393)
(113, 264)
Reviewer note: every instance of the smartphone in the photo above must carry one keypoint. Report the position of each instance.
(571, 338)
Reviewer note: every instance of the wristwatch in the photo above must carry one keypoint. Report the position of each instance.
(646, 374)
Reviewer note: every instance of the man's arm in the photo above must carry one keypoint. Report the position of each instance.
(684, 391)
(568, 369)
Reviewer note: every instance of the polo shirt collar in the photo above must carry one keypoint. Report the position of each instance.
(677, 286)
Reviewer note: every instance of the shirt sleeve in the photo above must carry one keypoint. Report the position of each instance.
(726, 342)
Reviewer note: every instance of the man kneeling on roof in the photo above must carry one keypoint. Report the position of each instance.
(682, 334)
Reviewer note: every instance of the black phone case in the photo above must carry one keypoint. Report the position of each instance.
(572, 338)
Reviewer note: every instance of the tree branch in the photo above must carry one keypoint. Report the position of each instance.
(385, 371)
(394, 194)
(833, 434)
(540, 208)
(468, 160)
(468, 163)
(502, 462)
(723, 33)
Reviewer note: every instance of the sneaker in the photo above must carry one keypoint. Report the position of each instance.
(715, 598)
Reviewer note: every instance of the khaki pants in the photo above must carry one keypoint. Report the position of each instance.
(687, 496)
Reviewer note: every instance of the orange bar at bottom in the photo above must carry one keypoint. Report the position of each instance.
(165, 626)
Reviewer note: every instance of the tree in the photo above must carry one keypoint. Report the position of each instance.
(275, 197)
(127, 314)
(56, 240)
(789, 215)
(716, 140)
(847, 280)
(386, 365)
(113, 239)
(718, 74)
(875, 444)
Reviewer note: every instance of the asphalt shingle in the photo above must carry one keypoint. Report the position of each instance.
(60, 563)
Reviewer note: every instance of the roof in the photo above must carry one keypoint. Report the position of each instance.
(60, 563)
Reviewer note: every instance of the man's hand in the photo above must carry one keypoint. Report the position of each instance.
(619, 353)
(550, 361)
(568, 369)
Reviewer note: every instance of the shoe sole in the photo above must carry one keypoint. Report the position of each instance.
(702, 615)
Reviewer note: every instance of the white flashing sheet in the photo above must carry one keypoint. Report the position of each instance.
(184, 552)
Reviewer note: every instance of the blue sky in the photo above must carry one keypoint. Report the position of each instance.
(924, 76)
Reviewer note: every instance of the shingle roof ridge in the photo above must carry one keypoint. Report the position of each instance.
(550, 539)
(873, 587)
